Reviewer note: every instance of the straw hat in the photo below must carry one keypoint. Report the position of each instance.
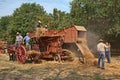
(39, 21)
(100, 40)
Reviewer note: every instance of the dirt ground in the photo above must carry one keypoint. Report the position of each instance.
(51, 70)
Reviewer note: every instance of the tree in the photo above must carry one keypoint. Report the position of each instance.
(4, 23)
(99, 16)
(60, 19)
(24, 19)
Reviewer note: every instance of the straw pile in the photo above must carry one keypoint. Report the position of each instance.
(34, 56)
(82, 45)
(33, 52)
(39, 32)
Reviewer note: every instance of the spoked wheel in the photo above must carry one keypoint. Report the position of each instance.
(67, 55)
(21, 54)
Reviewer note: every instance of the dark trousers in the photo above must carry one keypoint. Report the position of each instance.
(107, 54)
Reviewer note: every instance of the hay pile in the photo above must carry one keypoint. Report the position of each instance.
(33, 52)
(40, 32)
(82, 45)
(34, 56)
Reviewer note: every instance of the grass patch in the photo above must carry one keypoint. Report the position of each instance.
(99, 77)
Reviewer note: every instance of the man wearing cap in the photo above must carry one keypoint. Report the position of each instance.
(101, 53)
(27, 41)
(18, 40)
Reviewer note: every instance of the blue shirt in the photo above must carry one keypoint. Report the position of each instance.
(27, 39)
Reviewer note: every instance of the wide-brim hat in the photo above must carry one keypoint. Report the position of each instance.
(101, 40)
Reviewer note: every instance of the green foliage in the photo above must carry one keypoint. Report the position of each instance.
(4, 23)
(115, 30)
(98, 77)
(60, 19)
(99, 16)
(24, 19)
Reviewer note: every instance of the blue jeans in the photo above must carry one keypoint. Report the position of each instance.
(101, 57)
(107, 54)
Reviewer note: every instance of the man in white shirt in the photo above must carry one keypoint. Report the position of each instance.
(101, 52)
(18, 40)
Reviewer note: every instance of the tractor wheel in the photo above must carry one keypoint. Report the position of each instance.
(21, 54)
(67, 55)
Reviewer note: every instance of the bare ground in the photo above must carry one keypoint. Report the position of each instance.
(51, 70)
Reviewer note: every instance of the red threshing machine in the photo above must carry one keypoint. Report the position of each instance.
(66, 44)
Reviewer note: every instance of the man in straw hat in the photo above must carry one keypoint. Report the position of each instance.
(38, 24)
(101, 53)
(39, 30)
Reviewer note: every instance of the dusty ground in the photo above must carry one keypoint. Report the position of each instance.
(51, 70)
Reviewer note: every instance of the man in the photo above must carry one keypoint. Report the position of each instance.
(27, 41)
(107, 51)
(38, 30)
(38, 24)
(101, 53)
(18, 40)
(46, 28)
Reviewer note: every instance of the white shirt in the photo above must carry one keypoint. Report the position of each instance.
(19, 38)
(101, 46)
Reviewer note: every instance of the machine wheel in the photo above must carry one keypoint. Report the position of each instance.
(21, 54)
(67, 55)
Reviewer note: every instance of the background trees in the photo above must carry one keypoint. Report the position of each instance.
(101, 17)
(24, 19)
